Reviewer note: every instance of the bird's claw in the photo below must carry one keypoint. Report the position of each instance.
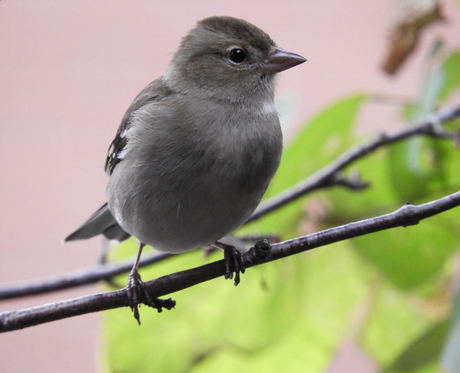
(233, 263)
(136, 290)
(261, 249)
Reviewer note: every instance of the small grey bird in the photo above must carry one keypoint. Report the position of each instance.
(197, 148)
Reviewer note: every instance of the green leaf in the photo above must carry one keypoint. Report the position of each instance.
(431, 83)
(377, 199)
(392, 326)
(423, 352)
(423, 168)
(408, 257)
(440, 79)
(451, 75)
(414, 165)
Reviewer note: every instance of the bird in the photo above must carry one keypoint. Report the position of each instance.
(197, 148)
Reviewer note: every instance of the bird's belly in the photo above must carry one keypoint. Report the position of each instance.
(199, 209)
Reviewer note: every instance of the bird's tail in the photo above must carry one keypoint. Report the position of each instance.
(101, 222)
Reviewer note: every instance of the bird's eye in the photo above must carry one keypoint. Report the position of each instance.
(237, 55)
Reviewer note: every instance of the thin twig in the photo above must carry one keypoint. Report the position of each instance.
(405, 216)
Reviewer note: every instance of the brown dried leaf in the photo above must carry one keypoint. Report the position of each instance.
(406, 23)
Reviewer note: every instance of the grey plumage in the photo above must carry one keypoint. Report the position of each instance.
(197, 148)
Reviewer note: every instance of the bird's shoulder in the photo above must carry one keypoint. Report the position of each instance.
(156, 91)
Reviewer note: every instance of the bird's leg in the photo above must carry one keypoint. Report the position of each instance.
(233, 261)
(136, 286)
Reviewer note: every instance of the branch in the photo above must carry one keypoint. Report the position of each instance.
(328, 176)
(403, 217)
(84, 276)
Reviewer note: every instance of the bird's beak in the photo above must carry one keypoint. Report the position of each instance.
(279, 60)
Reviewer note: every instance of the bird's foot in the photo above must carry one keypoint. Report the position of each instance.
(261, 249)
(234, 262)
(137, 293)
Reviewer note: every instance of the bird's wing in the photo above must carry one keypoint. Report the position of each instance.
(154, 92)
(102, 221)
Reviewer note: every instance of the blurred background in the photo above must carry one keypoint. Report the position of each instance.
(68, 72)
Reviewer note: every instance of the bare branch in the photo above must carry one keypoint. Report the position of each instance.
(403, 217)
(83, 276)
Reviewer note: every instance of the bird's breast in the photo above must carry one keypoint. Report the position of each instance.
(199, 179)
